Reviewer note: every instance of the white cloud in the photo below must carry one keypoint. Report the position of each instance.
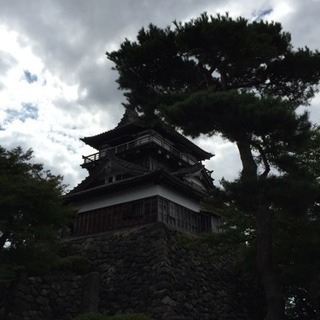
(63, 44)
(282, 10)
(225, 162)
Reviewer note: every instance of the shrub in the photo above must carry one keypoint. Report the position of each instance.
(98, 316)
(129, 316)
(90, 316)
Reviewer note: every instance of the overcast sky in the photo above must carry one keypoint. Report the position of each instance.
(57, 86)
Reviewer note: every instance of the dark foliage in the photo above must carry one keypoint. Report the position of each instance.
(32, 214)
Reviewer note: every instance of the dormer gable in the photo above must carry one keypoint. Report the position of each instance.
(197, 176)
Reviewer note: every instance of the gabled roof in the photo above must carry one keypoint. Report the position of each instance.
(131, 123)
(115, 165)
(197, 170)
(157, 177)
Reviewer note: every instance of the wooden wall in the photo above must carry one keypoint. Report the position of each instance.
(140, 212)
(119, 216)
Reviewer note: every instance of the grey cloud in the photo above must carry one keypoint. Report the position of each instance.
(7, 61)
(302, 23)
(70, 34)
(100, 84)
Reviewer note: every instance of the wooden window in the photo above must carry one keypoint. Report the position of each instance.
(182, 218)
(127, 212)
(172, 213)
(137, 209)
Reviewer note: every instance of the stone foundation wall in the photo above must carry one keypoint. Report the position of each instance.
(46, 297)
(147, 270)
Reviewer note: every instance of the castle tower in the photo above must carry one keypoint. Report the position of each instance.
(142, 173)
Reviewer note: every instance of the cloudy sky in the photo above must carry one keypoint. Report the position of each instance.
(57, 86)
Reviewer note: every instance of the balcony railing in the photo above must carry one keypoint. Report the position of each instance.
(143, 140)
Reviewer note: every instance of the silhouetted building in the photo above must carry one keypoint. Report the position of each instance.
(143, 172)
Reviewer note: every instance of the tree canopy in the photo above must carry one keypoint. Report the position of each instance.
(220, 75)
(244, 81)
(32, 213)
(217, 53)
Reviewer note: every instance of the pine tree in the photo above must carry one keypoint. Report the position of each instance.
(240, 79)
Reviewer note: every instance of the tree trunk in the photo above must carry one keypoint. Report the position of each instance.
(274, 296)
(249, 167)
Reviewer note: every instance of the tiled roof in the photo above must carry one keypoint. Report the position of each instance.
(188, 170)
(116, 165)
(124, 165)
(159, 176)
(131, 123)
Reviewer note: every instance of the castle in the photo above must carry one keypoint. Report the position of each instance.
(143, 172)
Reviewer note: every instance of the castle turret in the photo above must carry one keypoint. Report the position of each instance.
(142, 173)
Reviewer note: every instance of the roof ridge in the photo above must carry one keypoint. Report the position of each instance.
(130, 116)
(190, 169)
